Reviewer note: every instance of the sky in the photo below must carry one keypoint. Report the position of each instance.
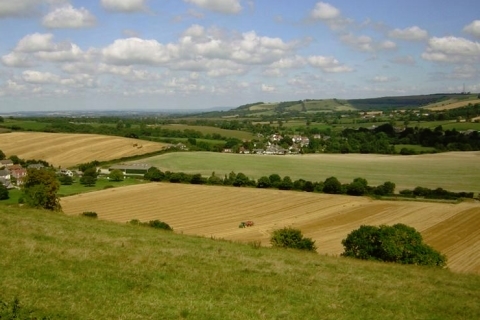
(198, 54)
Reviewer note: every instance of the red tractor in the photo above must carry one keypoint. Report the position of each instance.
(245, 224)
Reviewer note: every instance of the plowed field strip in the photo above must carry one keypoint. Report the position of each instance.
(217, 211)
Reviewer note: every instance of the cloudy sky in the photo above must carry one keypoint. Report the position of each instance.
(191, 54)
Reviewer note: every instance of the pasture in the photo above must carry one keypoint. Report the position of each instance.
(216, 212)
(66, 150)
(453, 171)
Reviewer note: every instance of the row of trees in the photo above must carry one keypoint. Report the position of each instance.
(358, 187)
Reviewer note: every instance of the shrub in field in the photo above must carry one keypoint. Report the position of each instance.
(291, 238)
(157, 224)
(90, 214)
(398, 243)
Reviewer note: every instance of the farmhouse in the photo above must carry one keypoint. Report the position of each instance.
(133, 168)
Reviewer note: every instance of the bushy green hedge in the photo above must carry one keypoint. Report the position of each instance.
(398, 243)
(291, 238)
(157, 224)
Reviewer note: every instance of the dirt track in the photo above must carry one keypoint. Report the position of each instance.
(63, 149)
(209, 211)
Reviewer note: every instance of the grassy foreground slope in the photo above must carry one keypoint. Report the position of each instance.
(78, 268)
(212, 211)
(64, 149)
(454, 171)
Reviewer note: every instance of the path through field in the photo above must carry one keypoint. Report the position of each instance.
(63, 149)
(210, 211)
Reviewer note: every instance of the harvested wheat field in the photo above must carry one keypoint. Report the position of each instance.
(63, 149)
(210, 211)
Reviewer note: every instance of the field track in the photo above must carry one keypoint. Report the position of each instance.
(63, 149)
(210, 211)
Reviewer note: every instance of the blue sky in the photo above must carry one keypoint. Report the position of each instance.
(192, 54)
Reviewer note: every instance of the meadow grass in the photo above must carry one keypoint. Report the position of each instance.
(451, 171)
(417, 148)
(78, 268)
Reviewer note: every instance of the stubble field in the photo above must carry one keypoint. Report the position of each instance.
(216, 212)
(63, 149)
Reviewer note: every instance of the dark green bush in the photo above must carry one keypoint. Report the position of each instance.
(291, 238)
(157, 224)
(398, 243)
(90, 214)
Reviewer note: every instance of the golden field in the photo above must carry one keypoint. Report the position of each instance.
(66, 150)
(453, 229)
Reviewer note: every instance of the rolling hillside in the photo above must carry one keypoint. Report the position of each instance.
(62, 267)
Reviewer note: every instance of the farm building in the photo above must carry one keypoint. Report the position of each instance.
(133, 168)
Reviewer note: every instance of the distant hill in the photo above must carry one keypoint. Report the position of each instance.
(381, 103)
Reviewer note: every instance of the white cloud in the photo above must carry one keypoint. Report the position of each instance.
(384, 79)
(473, 28)
(367, 44)
(124, 5)
(330, 15)
(267, 88)
(138, 51)
(451, 49)
(387, 45)
(38, 77)
(35, 42)
(325, 11)
(328, 64)
(16, 60)
(221, 6)
(62, 52)
(360, 43)
(69, 17)
(411, 34)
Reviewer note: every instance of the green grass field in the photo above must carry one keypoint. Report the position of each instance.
(79, 268)
(456, 171)
(101, 183)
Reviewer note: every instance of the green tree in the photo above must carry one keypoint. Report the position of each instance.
(3, 192)
(154, 174)
(65, 180)
(115, 175)
(358, 187)
(264, 182)
(2, 155)
(40, 189)
(332, 185)
(291, 238)
(89, 177)
(398, 243)
(275, 180)
(286, 183)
